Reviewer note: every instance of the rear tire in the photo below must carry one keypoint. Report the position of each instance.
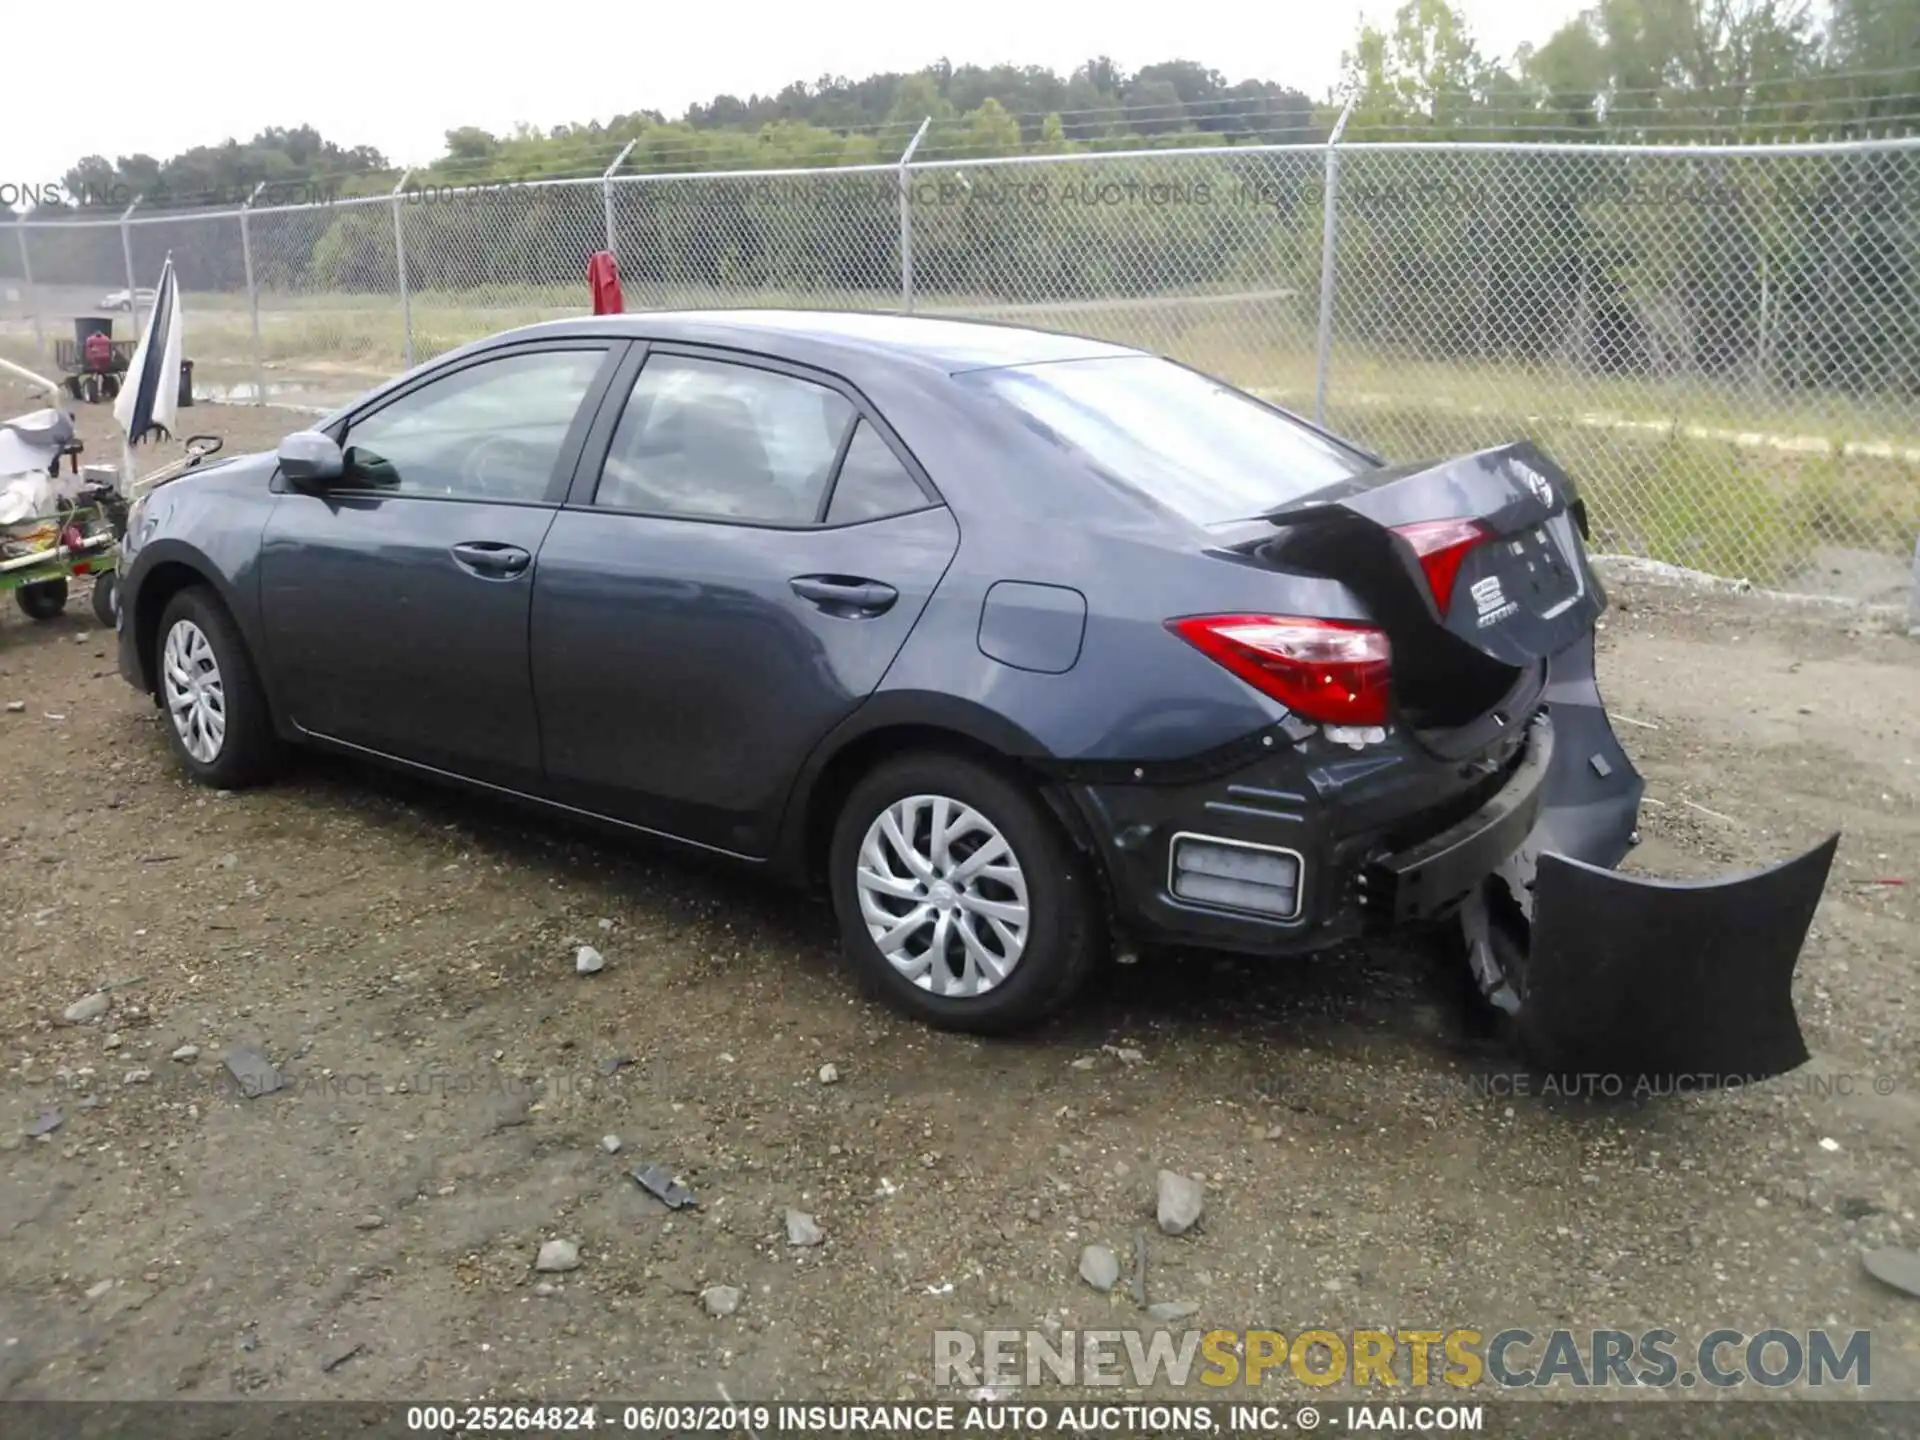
(42, 600)
(991, 929)
(214, 707)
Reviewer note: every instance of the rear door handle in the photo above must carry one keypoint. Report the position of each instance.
(491, 558)
(845, 596)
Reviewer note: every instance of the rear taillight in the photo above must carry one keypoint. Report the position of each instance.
(1440, 546)
(1332, 671)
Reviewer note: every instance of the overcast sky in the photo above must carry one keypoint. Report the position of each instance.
(398, 75)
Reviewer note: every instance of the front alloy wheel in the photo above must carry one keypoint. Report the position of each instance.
(196, 696)
(217, 717)
(943, 895)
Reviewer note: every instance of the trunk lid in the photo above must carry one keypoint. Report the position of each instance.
(1522, 592)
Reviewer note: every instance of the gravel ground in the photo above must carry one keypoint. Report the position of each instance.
(406, 958)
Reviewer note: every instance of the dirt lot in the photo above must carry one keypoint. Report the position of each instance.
(406, 957)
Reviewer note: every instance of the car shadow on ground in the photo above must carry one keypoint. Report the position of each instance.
(1400, 993)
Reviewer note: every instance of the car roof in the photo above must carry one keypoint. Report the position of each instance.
(952, 345)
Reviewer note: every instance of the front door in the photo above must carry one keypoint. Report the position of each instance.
(396, 603)
(747, 563)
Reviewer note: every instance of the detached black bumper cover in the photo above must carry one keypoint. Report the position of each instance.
(1620, 975)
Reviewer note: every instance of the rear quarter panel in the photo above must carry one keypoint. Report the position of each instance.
(1029, 512)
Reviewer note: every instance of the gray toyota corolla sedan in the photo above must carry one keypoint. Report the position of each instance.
(1028, 648)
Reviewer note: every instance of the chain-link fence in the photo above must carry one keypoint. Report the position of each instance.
(1721, 343)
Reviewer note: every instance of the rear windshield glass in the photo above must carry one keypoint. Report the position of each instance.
(1196, 445)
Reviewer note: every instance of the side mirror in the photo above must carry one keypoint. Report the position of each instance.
(311, 460)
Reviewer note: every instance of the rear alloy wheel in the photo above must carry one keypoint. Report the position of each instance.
(216, 710)
(960, 902)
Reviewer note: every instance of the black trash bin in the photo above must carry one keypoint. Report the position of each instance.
(186, 384)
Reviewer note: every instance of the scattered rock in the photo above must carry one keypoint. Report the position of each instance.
(138, 1077)
(546, 1288)
(610, 1144)
(45, 1123)
(112, 1042)
(829, 1075)
(511, 1109)
(802, 1229)
(369, 1222)
(557, 1256)
(14, 707)
(720, 1300)
(606, 924)
(253, 1072)
(187, 1053)
(1898, 1268)
(611, 1065)
(88, 1007)
(1170, 1310)
(1180, 1202)
(98, 1288)
(1084, 1062)
(1856, 1207)
(1100, 1267)
(589, 961)
(228, 861)
(1829, 1144)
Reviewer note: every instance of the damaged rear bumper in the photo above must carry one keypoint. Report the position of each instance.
(1622, 975)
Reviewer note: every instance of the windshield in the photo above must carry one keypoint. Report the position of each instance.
(1195, 444)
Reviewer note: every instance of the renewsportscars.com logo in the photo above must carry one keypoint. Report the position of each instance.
(1387, 1359)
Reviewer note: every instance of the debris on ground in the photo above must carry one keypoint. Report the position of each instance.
(610, 1144)
(556, 1257)
(254, 1073)
(1897, 1268)
(88, 1008)
(1099, 1267)
(1179, 1205)
(335, 1361)
(186, 1053)
(45, 1123)
(720, 1301)
(829, 1075)
(588, 961)
(802, 1229)
(658, 1182)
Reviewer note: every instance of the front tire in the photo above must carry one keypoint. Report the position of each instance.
(960, 901)
(215, 707)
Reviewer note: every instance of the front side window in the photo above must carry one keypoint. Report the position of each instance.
(711, 439)
(491, 431)
(1198, 446)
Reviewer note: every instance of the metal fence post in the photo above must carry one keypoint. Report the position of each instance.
(606, 195)
(400, 267)
(126, 252)
(33, 302)
(906, 217)
(1329, 226)
(253, 297)
(1913, 597)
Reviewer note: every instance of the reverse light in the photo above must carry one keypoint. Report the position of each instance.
(1441, 546)
(1332, 671)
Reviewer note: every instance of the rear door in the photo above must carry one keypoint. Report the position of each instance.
(396, 603)
(744, 552)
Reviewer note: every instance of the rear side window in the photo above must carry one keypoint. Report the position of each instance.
(873, 483)
(1200, 447)
(715, 440)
